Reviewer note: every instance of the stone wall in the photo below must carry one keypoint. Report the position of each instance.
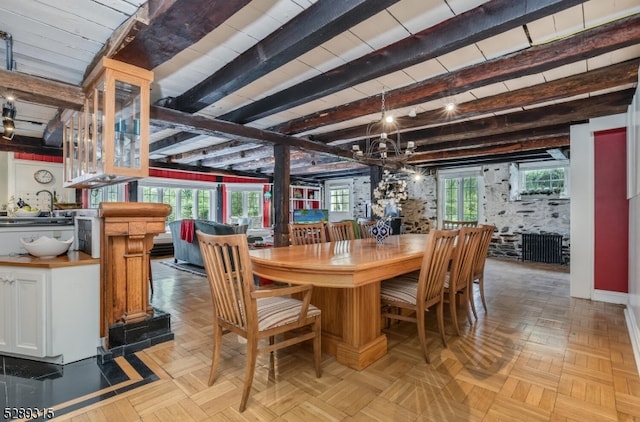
(511, 217)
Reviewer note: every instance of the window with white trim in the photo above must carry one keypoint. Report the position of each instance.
(244, 205)
(339, 199)
(548, 178)
(459, 193)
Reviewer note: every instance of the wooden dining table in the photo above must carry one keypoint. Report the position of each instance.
(346, 276)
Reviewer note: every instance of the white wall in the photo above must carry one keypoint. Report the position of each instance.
(582, 208)
(16, 179)
(633, 192)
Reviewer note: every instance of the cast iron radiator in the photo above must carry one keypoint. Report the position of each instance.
(542, 248)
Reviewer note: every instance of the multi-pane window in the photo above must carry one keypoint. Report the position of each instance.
(110, 193)
(169, 197)
(245, 207)
(186, 203)
(150, 194)
(339, 199)
(546, 179)
(460, 201)
(204, 204)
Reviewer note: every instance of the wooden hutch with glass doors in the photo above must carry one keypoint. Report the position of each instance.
(108, 141)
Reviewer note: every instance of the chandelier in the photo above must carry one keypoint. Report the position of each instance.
(379, 145)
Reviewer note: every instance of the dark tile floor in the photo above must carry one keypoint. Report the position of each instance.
(31, 384)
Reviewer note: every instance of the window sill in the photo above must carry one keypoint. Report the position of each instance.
(537, 196)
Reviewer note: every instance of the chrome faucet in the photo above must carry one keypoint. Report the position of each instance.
(50, 200)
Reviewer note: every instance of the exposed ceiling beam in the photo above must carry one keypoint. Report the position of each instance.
(209, 170)
(43, 91)
(563, 113)
(484, 150)
(28, 145)
(173, 119)
(621, 74)
(173, 25)
(313, 26)
(581, 46)
(482, 22)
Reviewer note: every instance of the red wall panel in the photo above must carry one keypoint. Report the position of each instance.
(611, 210)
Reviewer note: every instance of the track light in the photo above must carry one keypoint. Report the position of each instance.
(8, 111)
(9, 129)
(8, 115)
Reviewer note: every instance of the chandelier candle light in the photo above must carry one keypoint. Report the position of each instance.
(383, 147)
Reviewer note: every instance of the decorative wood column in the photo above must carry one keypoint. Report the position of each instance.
(128, 229)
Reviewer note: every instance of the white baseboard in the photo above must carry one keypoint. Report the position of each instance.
(609, 297)
(634, 334)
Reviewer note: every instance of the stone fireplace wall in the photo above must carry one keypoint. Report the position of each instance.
(542, 215)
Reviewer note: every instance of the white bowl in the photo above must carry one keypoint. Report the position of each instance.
(46, 247)
(24, 213)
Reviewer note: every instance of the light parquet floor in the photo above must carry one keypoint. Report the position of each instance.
(537, 355)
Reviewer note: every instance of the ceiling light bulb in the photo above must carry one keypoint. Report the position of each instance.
(450, 107)
(412, 112)
(389, 119)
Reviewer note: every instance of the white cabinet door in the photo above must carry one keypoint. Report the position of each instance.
(6, 312)
(29, 312)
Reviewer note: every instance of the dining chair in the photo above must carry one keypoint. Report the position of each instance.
(458, 279)
(340, 231)
(404, 293)
(365, 229)
(268, 318)
(454, 224)
(481, 259)
(306, 234)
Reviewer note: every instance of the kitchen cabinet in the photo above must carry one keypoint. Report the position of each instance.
(24, 294)
(50, 314)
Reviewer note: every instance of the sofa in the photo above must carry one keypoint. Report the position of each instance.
(190, 251)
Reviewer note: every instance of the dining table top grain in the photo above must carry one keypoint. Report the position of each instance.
(341, 264)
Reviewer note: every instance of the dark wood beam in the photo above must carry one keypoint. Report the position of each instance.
(170, 141)
(584, 45)
(487, 20)
(484, 150)
(309, 29)
(28, 145)
(199, 169)
(621, 74)
(556, 114)
(529, 155)
(171, 27)
(173, 119)
(33, 89)
(231, 152)
(281, 206)
(542, 132)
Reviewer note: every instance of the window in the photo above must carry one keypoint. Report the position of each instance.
(169, 197)
(110, 193)
(459, 193)
(204, 204)
(185, 202)
(546, 178)
(461, 199)
(339, 199)
(245, 207)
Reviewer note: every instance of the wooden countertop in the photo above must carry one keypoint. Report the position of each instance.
(70, 259)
